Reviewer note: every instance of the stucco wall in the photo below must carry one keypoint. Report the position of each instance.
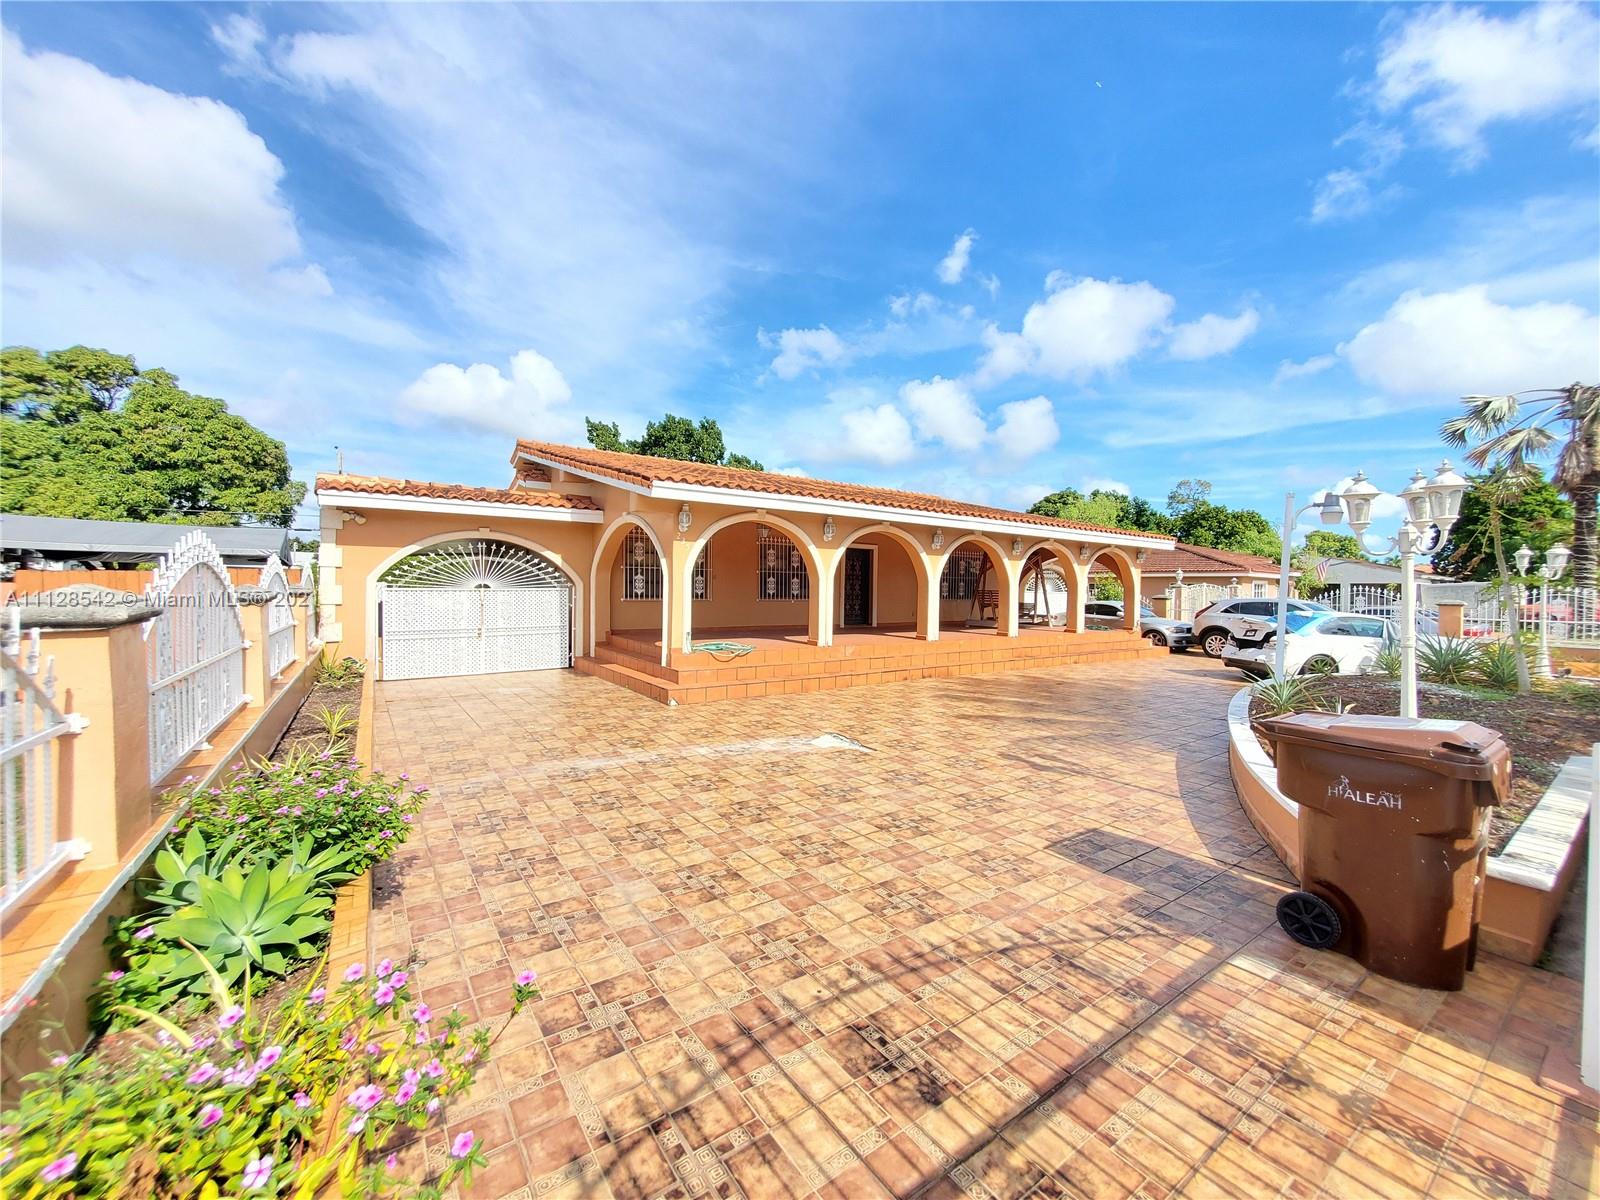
(894, 582)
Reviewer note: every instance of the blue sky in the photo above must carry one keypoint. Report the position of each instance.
(988, 251)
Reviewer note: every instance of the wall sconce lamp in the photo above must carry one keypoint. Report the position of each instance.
(685, 518)
(938, 539)
(1016, 547)
(828, 530)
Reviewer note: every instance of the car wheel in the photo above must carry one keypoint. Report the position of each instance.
(1156, 638)
(1320, 664)
(1214, 642)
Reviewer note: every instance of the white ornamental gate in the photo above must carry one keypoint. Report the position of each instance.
(280, 617)
(473, 607)
(194, 651)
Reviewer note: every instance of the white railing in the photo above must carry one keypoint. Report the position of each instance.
(194, 652)
(1574, 613)
(280, 617)
(1190, 598)
(30, 722)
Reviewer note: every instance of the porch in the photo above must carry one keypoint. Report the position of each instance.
(783, 661)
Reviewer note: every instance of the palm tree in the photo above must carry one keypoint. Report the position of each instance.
(1511, 431)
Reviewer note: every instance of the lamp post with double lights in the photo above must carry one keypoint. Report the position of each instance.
(1332, 514)
(1432, 506)
(1555, 562)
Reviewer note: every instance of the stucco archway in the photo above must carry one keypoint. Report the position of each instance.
(1005, 581)
(1073, 572)
(818, 608)
(600, 566)
(1127, 573)
(927, 624)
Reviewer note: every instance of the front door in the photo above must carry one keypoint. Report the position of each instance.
(857, 587)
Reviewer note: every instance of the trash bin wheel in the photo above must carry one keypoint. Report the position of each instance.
(1309, 920)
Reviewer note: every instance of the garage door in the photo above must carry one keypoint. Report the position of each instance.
(473, 607)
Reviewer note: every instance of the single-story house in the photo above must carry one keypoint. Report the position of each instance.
(688, 582)
(71, 543)
(1187, 566)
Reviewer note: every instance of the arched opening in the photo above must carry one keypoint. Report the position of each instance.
(1048, 596)
(631, 588)
(975, 591)
(880, 583)
(1113, 598)
(760, 577)
(472, 606)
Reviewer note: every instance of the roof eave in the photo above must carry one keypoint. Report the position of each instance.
(339, 498)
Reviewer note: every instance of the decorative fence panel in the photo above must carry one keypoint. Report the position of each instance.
(1190, 598)
(194, 652)
(280, 617)
(30, 722)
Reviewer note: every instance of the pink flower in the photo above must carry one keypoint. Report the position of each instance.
(462, 1146)
(404, 1092)
(385, 966)
(421, 1014)
(354, 972)
(256, 1172)
(301, 1100)
(433, 1105)
(269, 1057)
(526, 978)
(60, 1060)
(383, 995)
(113, 976)
(317, 995)
(210, 1115)
(357, 1124)
(399, 979)
(434, 1069)
(60, 1168)
(366, 1097)
(145, 934)
(231, 1018)
(203, 1074)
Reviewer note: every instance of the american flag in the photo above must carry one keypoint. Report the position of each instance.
(1321, 569)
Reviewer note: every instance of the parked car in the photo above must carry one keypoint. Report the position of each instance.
(1215, 623)
(1389, 610)
(1331, 643)
(1158, 631)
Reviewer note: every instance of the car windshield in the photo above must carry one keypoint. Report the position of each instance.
(1146, 611)
(1313, 606)
(1297, 621)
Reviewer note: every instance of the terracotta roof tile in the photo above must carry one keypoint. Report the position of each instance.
(1203, 560)
(378, 485)
(643, 470)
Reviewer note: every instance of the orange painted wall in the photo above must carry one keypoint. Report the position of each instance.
(895, 582)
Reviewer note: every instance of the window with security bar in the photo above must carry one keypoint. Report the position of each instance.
(780, 568)
(640, 567)
(961, 573)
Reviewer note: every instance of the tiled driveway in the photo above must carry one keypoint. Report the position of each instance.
(1023, 944)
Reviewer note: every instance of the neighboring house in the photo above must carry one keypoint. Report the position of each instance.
(1187, 566)
(69, 543)
(624, 564)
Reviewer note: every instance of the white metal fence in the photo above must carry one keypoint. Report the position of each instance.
(280, 617)
(194, 652)
(1369, 599)
(30, 722)
(1574, 613)
(1190, 598)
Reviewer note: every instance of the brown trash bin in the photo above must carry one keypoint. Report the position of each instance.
(1393, 838)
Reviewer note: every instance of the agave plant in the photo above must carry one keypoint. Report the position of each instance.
(1498, 665)
(1447, 660)
(179, 867)
(1387, 661)
(337, 724)
(262, 921)
(1281, 696)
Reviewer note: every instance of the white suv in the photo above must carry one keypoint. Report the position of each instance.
(1226, 620)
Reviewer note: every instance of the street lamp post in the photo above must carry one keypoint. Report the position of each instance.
(1432, 506)
(1332, 514)
(1555, 562)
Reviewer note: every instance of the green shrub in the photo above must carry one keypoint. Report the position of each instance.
(336, 672)
(1296, 693)
(1497, 665)
(286, 1102)
(337, 726)
(1388, 661)
(1447, 660)
(323, 797)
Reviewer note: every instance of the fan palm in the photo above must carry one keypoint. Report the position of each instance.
(1513, 430)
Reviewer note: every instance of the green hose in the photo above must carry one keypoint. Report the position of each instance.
(723, 649)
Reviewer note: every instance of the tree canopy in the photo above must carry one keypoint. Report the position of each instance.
(672, 437)
(1190, 517)
(1533, 512)
(88, 434)
(1102, 507)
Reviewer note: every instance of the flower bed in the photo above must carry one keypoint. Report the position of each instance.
(232, 1063)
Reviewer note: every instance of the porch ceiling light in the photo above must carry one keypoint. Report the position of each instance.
(1445, 491)
(685, 518)
(828, 530)
(1358, 501)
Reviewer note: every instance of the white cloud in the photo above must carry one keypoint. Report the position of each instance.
(944, 410)
(801, 350)
(1461, 342)
(1027, 427)
(1107, 485)
(991, 282)
(1212, 335)
(240, 38)
(534, 401)
(1456, 71)
(1084, 326)
(797, 472)
(122, 172)
(1342, 195)
(878, 434)
(954, 265)
(1315, 365)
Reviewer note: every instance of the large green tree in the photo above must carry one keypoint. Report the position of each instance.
(1501, 511)
(672, 437)
(1102, 507)
(88, 434)
(1513, 430)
